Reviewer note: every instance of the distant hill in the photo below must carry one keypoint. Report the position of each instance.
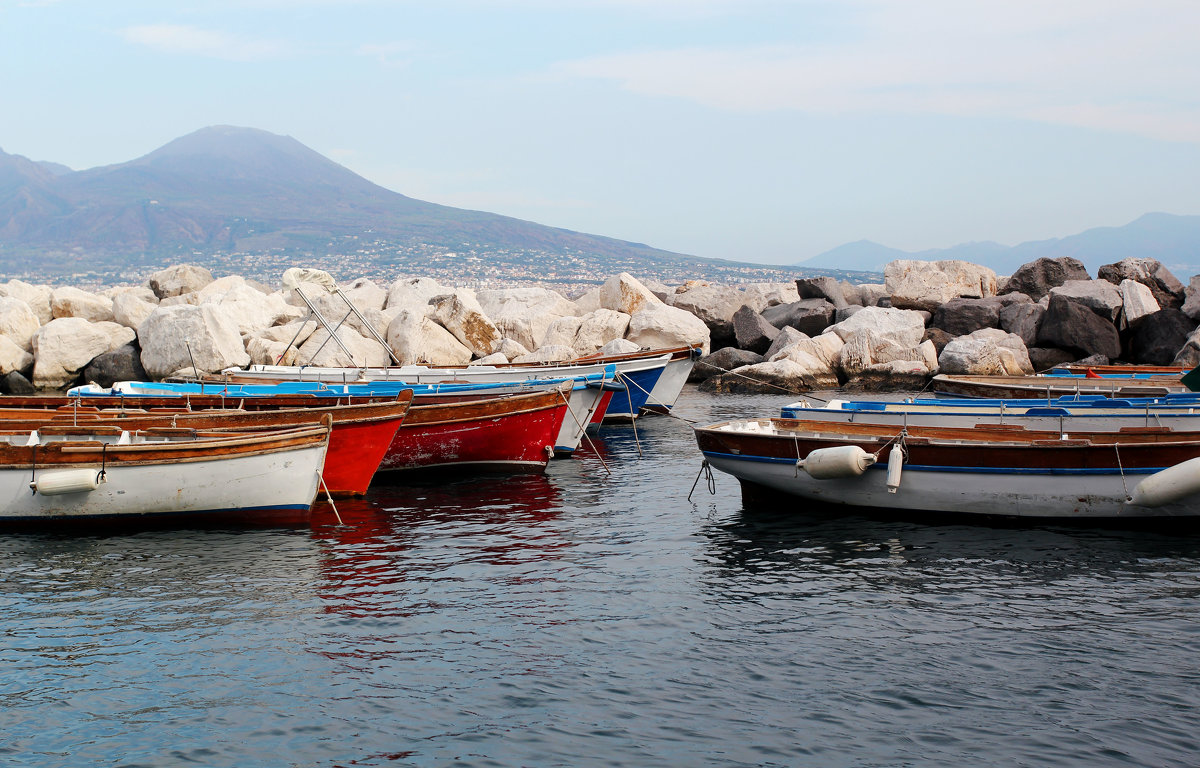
(255, 202)
(1173, 240)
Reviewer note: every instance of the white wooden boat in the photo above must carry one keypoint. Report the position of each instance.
(91, 474)
(970, 472)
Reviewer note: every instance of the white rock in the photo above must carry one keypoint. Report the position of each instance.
(264, 351)
(320, 349)
(759, 296)
(989, 351)
(903, 326)
(414, 293)
(417, 339)
(12, 357)
(509, 348)
(550, 353)
(1137, 300)
(64, 346)
(72, 302)
(461, 314)
(36, 296)
(180, 279)
(866, 349)
(525, 314)
(492, 359)
(365, 294)
(588, 302)
(624, 293)
(783, 375)
(1191, 298)
(251, 309)
(562, 332)
(929, 284)
(18, 322)
(295, 332)
(599, 328)
(658, 326)
(130, 309)
(618, 347)
(928, 352)
(176, 337)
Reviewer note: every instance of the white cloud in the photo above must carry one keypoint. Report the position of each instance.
(1106, 64)
(176, 38)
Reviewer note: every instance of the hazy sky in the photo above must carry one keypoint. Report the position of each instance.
(763, 130)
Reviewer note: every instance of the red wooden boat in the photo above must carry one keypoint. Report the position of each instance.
(511, 432)
(361, 436)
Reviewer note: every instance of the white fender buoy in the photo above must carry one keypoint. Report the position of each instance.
(841, 461)
(895, 464)
(67, 481)
(1168, 485)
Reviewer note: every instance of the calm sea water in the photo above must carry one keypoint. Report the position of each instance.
(590, 619)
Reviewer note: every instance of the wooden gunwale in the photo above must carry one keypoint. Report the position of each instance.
(474, 410)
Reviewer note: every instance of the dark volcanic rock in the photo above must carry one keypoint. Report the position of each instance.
(1167, 289)
(16, 384)
(1036, 278)
(1069, 325)
(721, 361)
(1159, 336)
(822, 288)
(752, 330)
(122, 364)
(1024, 320)
(960, 317)
(1045, 358)
(810, 316)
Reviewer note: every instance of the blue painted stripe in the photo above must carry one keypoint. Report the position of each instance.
(955, 470)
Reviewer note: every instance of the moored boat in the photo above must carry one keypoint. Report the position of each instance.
(1006, 472)
(1053, 386)
(60, 474)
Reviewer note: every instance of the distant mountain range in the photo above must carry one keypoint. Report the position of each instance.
(1173, 240)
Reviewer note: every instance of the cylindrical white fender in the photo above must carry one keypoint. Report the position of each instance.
(841, 461)
(895, 464)
(1168, 485)
(67, 481)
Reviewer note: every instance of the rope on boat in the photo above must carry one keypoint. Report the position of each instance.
(329, 497)
(1120, 468)
(583, 429)
(705, 469)
(632, 416)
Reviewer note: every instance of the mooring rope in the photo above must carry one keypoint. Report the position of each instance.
(711, 481)
(583, 430)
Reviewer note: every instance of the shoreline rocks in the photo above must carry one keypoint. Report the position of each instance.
(812, 333)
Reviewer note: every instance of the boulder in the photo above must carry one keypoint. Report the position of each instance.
(929, 284)
(762, 295)
(1191, 301)
(787, 337)
(866, 348)
(265, 351)
(659, 326)
(295, 332)
(938, 338)
(1070, 325)
(822, 288)
(121, 364)
(509, 348)
(72, 302)
(1137, 301)
(597, 329)
(130, 309)
(989, 352)
(1167, 290)
(547, 353)
(1100, 296)
(903, 326)
(618, 347)
(323, 350)
(960, 317)
(809, 316)
(871, 294)
(365, 294)
(1159, 337)
(414, 293)
(713, 305)
(623, 293)
(36, 296)
(525, 314)
(1036, 278)
(1024, 320)
(461, 314)
(251, 310)
(563, 330)
(18, 322)
(16, 384)
(416, 338)
(13, 357)
(184, 336)
(723, 360)
(496, 358)
(62, 347)
(825, 348)
(752, 332)
(180, 279)
(1045, 358)
(894, 376)
(780, 377)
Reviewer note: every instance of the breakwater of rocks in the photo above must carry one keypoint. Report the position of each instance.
(816, 333)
